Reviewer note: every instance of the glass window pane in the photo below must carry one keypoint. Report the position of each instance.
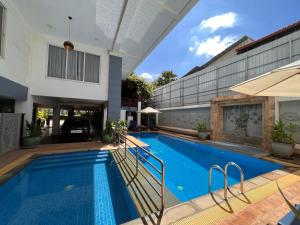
(56, 62)
(92, 68)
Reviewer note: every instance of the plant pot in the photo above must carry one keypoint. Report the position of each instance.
(30, 142)
(282, 150)
(203, 135)
(107, 138)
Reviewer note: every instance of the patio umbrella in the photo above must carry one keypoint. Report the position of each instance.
(284, 81)
(149, 110)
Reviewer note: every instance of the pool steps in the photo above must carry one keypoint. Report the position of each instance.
(144, 197)
(69, 160)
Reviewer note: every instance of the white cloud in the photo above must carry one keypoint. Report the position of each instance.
(212, 46)
(149, 77)
(225, 20)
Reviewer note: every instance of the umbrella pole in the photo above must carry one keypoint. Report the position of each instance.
(148, 121)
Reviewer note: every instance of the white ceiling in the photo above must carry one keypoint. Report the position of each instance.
(131, 28)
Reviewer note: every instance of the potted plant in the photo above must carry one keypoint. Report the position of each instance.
(109, 132)
(121, 127)
(34, 131)
(202, 131)
(283, 137)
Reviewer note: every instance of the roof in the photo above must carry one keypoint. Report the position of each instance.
(271, 37)
(215, 58)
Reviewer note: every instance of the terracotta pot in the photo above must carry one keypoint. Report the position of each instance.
(30, 142)
(282, 150)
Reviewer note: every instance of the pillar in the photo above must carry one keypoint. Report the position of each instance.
(114, 88)
(25, 107)
(56, 120)
(139, 109)
(104, 115)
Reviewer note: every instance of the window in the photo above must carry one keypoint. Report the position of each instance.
(73, 65)
(92, 68)
(2, 20)
(57, 62)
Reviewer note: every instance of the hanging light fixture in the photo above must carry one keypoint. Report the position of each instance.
(68, 44)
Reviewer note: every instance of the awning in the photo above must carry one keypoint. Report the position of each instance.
(284, 81)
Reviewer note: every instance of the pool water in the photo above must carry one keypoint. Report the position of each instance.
(187, 164)
(75, 188)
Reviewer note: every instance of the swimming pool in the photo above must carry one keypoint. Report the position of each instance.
(74, 188)
(187, 164)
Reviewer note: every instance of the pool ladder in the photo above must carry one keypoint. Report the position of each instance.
(224, 172)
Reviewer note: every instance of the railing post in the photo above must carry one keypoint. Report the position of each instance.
(137, 159)
(163, 186)
(125, 146)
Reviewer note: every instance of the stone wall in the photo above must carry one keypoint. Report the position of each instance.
(10, 126)
(184, 118)
(243, 123)
(289, 111)
(267, 119)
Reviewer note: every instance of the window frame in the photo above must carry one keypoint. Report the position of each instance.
(65, 77)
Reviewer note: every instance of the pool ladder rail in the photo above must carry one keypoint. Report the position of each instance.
(225, 173)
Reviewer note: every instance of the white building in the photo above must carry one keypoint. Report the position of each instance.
(111, 38)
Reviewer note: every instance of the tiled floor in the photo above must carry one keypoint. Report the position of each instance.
(268, 211)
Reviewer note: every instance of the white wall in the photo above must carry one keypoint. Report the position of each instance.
(15, 65)
(26, 57)
(45, 86)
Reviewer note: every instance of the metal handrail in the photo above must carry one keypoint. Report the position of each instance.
(161, 171)
(225, 179)
(241, 174)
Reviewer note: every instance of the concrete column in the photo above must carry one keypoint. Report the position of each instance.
(56, 120)
(25, 107)
(114, 88)
(139, 108)
(104, 116)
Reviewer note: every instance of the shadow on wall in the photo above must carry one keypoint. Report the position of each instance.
(184, 118)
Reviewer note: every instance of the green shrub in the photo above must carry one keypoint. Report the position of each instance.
(34, 129)
(110, 128)
(201, 127)
(121, 127)
(284, 133)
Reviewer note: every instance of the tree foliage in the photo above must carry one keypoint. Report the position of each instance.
(135, 86)
(165, 78)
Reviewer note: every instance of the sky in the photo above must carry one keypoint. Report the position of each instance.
(210, 27)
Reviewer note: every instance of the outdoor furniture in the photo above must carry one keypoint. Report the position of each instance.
(149, 110)
(290, 218)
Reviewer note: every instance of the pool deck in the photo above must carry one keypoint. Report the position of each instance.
(260, 204)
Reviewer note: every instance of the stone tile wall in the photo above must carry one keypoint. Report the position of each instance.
(10, 126)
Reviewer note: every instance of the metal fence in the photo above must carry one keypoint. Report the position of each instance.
(200, 87)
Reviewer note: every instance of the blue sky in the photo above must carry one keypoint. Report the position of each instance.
(211, 26)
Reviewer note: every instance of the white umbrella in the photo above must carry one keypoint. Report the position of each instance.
(149, 110)
(284, 81)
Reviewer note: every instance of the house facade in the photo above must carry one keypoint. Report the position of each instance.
(110, 37)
